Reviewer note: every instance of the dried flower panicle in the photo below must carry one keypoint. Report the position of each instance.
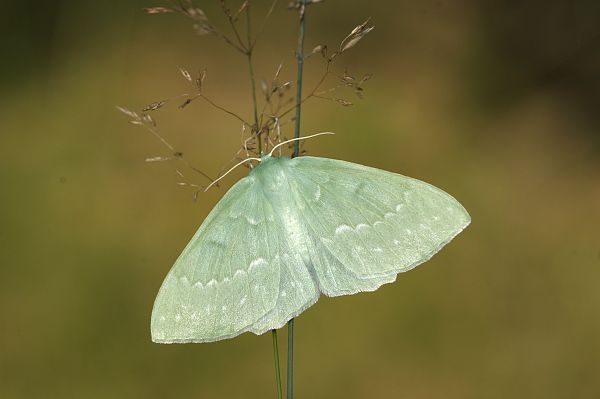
(278, 105)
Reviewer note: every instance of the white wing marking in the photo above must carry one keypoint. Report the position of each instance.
(342, 228)
(255, 263)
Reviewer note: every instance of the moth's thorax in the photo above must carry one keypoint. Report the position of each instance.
(274, 177)
(271, 173)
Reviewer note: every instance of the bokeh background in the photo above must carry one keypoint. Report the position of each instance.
(495, 102)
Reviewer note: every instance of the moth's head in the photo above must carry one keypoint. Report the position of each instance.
(270, 171)
(265, 158)
(267, 162)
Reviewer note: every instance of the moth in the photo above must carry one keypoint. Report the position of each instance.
(291, 230)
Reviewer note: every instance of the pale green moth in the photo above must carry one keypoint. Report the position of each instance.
(291, 230)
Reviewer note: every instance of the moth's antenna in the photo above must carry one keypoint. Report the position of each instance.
(299, 138)
(226, 173)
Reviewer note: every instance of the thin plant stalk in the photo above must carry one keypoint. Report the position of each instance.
(277, 368)
(300, 66)
(249, 52)
(300, 63)
(290, 359)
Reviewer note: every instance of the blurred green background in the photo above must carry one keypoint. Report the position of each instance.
(495, 102)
